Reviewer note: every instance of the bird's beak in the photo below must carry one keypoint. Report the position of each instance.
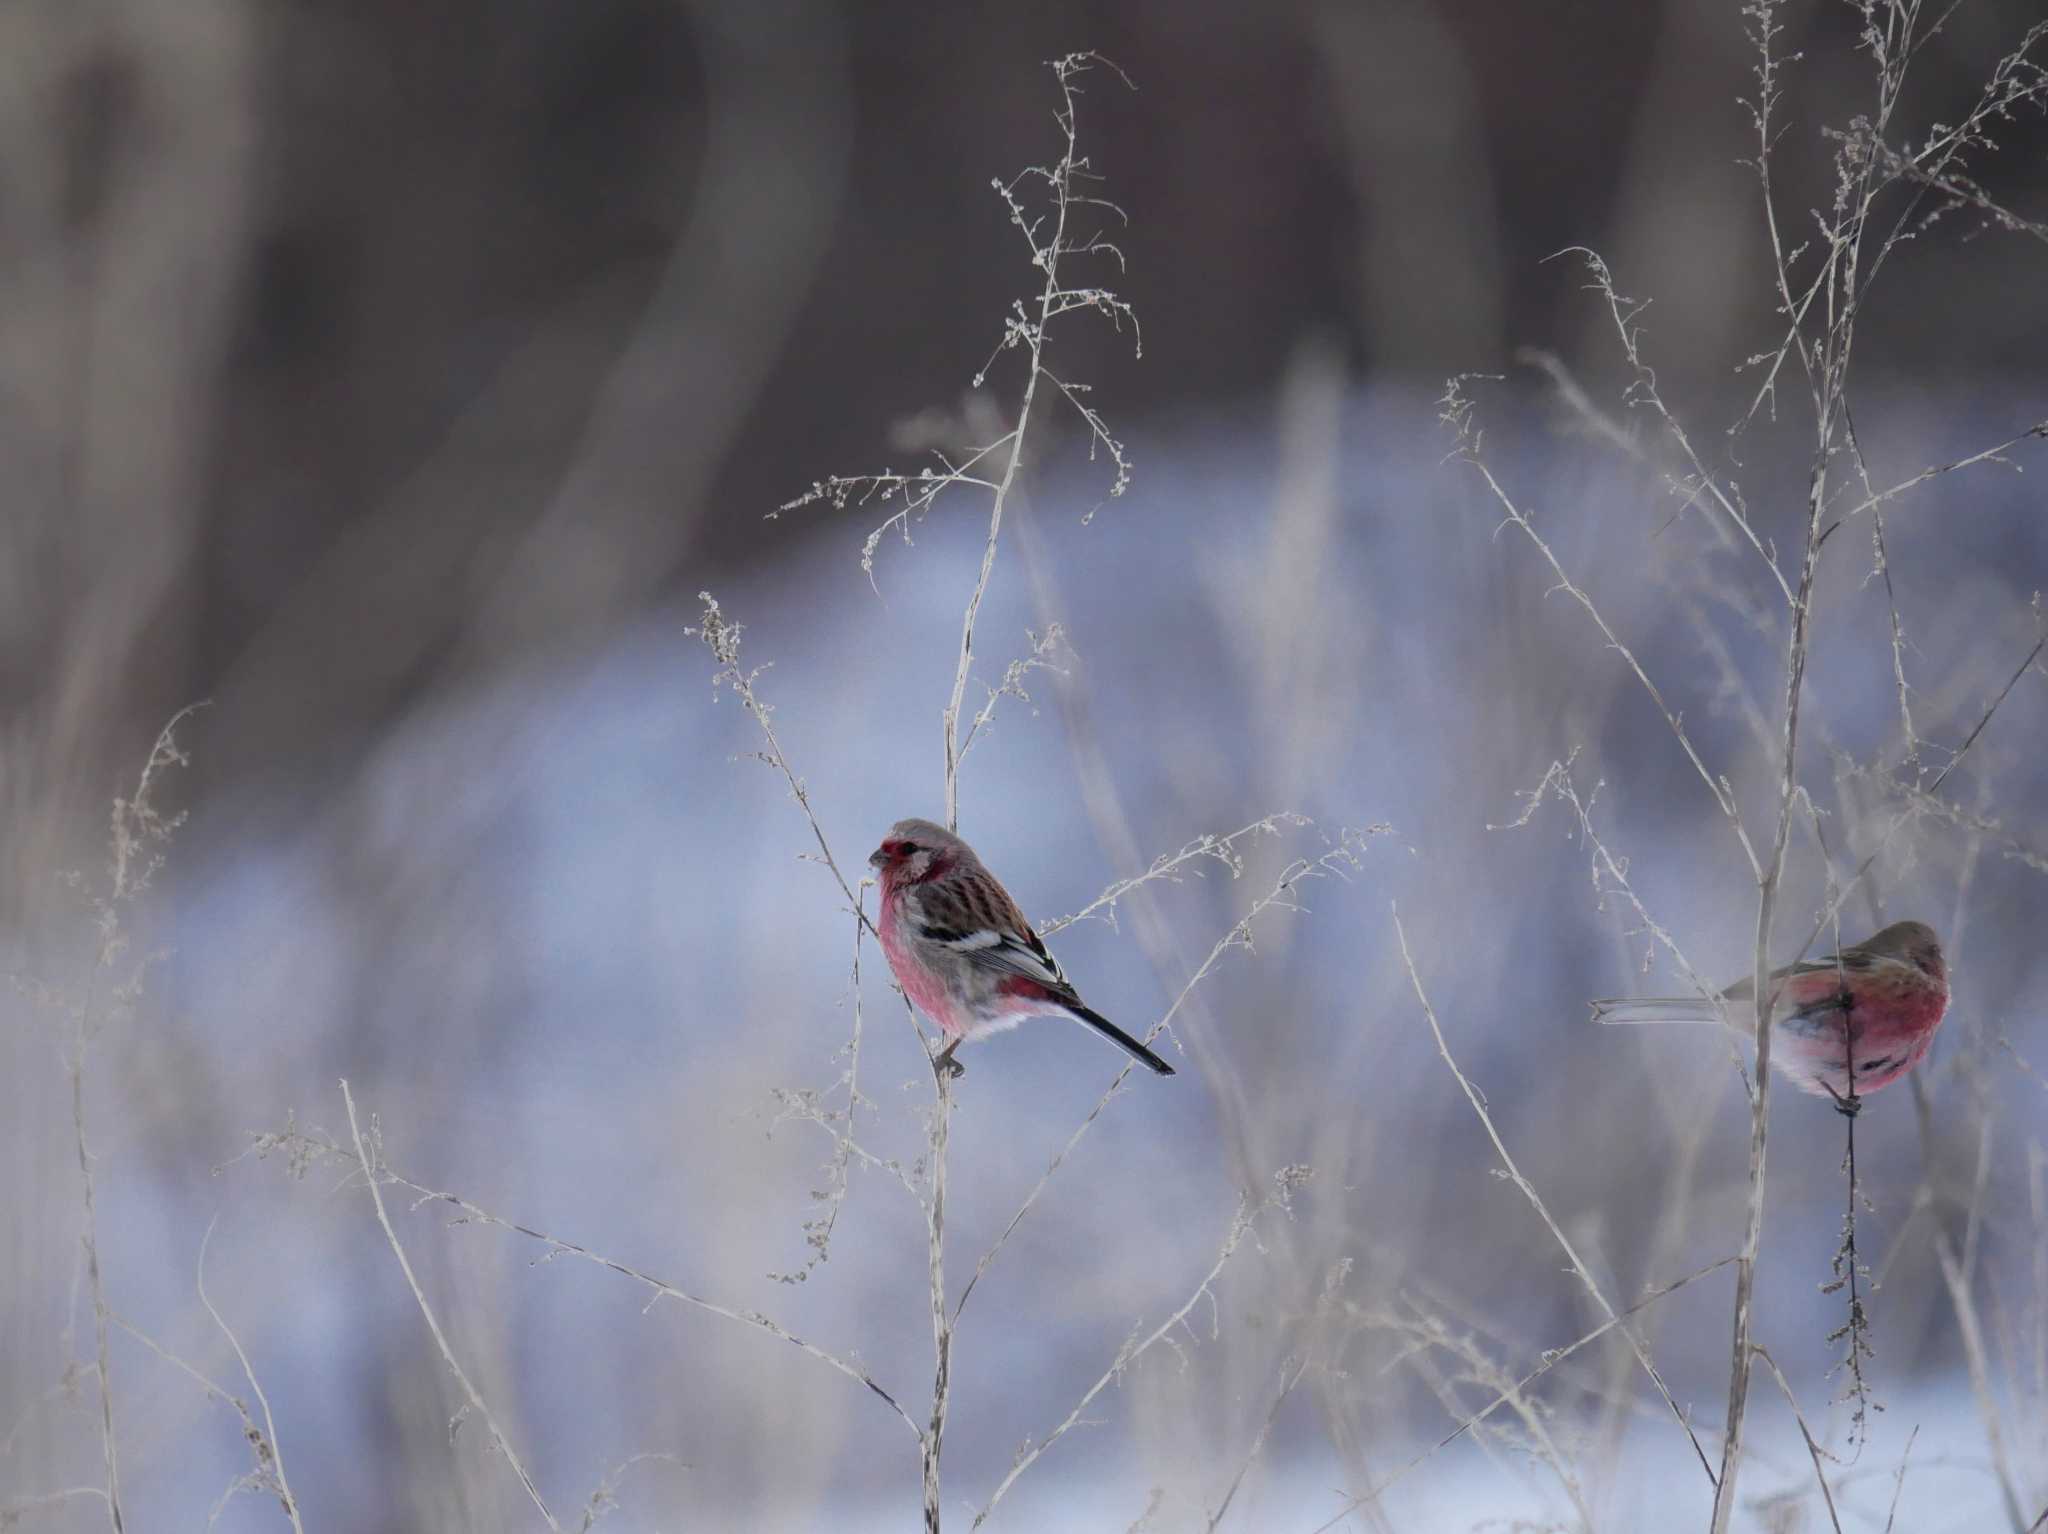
(875, 858)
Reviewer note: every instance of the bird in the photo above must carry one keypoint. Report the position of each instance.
(1875, 1005)
(963, 952)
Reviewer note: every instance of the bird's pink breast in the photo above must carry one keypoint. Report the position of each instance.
(1891, 1027)
(924, 986)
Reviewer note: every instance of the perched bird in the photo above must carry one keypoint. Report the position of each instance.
(963, 952)
(1876, 1004)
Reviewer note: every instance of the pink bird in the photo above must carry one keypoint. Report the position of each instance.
(1877, 1003)
(963, 952)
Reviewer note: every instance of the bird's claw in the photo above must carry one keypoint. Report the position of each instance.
(1848, 1106)
(943, 1064)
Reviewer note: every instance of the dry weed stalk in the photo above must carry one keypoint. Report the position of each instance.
(1883, 196)
(1054, 238)
(139, 830)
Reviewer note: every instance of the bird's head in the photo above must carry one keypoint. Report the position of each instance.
(1914, 943)
(914, 851)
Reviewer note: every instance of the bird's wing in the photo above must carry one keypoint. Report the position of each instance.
(1010, 953)
(1856, 961)
(1852, 961)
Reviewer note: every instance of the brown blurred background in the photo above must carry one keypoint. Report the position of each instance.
(355, 347)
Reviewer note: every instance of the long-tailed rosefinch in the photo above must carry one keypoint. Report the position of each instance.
(963, 952)
(1877, 1003)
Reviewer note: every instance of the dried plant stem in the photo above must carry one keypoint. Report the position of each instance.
(1457, 414)
(89, 1239)
(266, 1443)
(1132, 1350)
(1841, 282)
(1551, 1359)
(1290, 1376)
(932, 1441)
(372, 1177)
(1765, 1000)
(268, 1472)
(1957, 1274)
(1699, 480)
(314, 1147)
(1920, 799)
(1585, 1277)
(12, 1512)
(135, 824)
(1849, 1272)
(1899, 1479)
(955, 746)
(1238, 936)
(1052, 299)
(1046, 255)
(1813, 1449)
(1956, 1278)
(721, 636)
(1876, 498)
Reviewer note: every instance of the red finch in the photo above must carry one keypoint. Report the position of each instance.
(1877, 1003)
(963, 952)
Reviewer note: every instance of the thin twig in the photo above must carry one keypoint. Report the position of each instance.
(1053, 299)
(1899, 1481)
(1457, 414)
(1849, 1271)
(1135, 1348)
(721, 636)
(1875, 499)
(1978, 1358)
(1643, 392)
(1920, 798)
(932, 1440)
(12, 1512)
(1239, 936)
(1290, 1376)
(304, 1148)
(264, 1475)
(137, 826)
(838, 1123)
(1550, 1360)
(1168, 866)
(266, 1446)
(1528, 1189)
(372, 1177)
(1813, 1449)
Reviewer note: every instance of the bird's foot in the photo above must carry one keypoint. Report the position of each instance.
(943, 1063)
(1848, 1106)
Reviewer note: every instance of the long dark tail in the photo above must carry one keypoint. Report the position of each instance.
(1122, 1040)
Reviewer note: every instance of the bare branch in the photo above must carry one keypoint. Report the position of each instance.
(302, 1149)
(1813, 1449)
(1135, 1347)
(268, 1450)
(373, 1178)
(1282, 895)
(1585, 1276)
(1457, 414)
(1551, 1359)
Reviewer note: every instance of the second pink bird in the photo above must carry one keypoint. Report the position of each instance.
(1876, 1004)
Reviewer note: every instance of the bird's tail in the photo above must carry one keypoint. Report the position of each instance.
(1655, 1009)
(1122, 1040)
